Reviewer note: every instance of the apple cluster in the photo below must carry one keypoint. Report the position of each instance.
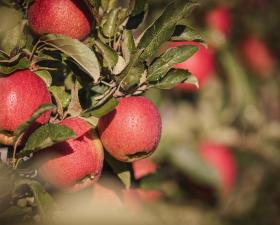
(128, 133)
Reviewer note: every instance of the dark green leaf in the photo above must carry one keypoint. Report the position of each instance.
(137, 11)
(133, 77)
(62, 98)
(132, 73)
(191, 164)
(137, 7)
(46, 136)
(23, 63)
(77, 50)
(109, 55)
(8, 61)
(121, 169)
(36, 114)
(111, 23)
(45, 76)
(102, 110)
(163, 28)
(183, 32)
(128, 44)
(173, 78)
(170, 58)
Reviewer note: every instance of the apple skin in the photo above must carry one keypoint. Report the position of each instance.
(219, 20)
(222, 160)
(201, 64)
(132, 131)
(67, 17)
(258, 57)
(22, 92)
(65, 164)
(143, 167)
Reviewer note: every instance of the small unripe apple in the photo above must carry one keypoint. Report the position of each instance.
(201, 64)
(132, 131)
(219, 20)
(67, 17)
(143, 167)
(257, 56)
(22, 92)
(222, 160)
(73, 164)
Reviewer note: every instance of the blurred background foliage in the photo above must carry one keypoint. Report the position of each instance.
(238, 108)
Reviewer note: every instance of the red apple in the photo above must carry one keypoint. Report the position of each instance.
(257, 56)
(132, 131)
(222, 160)
(67, 17)
(219, 20)
(143, 167)
(73, 164)
(201, 64)
(22, 92)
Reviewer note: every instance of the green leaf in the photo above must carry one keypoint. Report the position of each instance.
(136, 12)
(62, 98)
(103, 109)
(137, 7)
(35, 115)
(11, 29)
(170, 58)
(46, 136)
(132, 73)
(45, 76)
(43, 199)
(109, 55)
(77, 50)
(9, 18)
(121, 169)
(183, 32)
(192, 80)
(163, 28)
(128, 45)
(133, 77)
(23, 63)
(13, 38)
(111, 23)
(173, 78)
(75, 108)
(108, 5)
(119, 67)
(95, 4)
(11, 60)
(191, 164)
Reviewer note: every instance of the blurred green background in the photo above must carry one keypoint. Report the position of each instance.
(238, 108)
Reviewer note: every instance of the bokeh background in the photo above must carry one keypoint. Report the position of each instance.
(237, 108)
